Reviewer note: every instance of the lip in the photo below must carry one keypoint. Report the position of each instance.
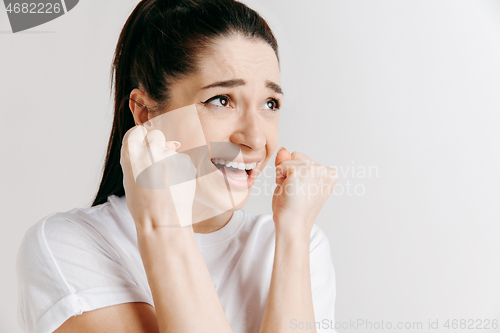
(238, 160)
(240, 184)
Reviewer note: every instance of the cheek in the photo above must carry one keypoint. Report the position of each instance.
(216, 131)
(272, 135)
(181, 125)
(217, 128)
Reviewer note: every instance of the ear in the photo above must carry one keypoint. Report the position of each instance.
(137, 104)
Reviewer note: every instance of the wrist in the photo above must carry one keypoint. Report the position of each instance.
(293, 228)
(293, 249)
(156, 223)
(168, 235)
(293, 235)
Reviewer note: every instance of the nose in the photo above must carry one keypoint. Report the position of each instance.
(249, 131)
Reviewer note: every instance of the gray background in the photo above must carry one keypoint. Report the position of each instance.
(409, 88)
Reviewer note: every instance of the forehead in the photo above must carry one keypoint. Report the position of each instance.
(252, 60)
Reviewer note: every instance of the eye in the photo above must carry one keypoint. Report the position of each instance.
(272, 104)
(219, 100)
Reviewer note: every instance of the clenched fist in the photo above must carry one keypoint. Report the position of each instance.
(159, 183)
(303, 186)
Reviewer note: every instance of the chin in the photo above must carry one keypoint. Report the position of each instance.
(220, 200)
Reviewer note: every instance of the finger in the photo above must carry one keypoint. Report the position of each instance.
(299, 156)
(174, 145)
(156, 138)
(296, 162)
(135, 134)
(282, 155)
(134, 152)
(300, 167)
(159, 148)
(284, 170)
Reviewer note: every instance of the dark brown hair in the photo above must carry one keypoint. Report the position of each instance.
(160, 43)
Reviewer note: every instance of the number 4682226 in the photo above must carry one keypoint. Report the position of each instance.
(478, 324)
(34, 8)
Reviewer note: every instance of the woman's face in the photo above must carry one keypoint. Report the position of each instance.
(237, 95)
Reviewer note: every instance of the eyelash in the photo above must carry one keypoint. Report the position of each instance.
(276, 103)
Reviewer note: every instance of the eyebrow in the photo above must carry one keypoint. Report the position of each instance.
(240, 82)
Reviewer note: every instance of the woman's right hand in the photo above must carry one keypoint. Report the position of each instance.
(157, 204)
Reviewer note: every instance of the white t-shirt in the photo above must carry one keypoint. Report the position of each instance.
(87, 258)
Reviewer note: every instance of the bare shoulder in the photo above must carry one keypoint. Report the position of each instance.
(135, 317)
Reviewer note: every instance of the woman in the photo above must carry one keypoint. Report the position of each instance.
(183, 256)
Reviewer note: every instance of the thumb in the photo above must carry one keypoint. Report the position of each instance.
(174, 145)
(281, 156)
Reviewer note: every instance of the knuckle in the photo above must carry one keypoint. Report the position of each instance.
(155, 136)
(135, 133)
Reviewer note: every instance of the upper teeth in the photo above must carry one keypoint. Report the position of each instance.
(236, 165)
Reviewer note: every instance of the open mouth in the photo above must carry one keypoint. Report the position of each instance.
(235, 170)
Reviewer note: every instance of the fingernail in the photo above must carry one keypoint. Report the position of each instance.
(147, 123)
(177, 144)
(280, 150)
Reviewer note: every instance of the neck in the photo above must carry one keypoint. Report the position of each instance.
(209, 219)
(213, 223)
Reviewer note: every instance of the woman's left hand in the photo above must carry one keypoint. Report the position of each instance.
(303, 186)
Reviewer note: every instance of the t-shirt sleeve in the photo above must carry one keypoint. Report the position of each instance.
(64, 270)
(322, 281)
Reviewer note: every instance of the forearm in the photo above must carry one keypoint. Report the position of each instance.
(289, 296)
(184, 296)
